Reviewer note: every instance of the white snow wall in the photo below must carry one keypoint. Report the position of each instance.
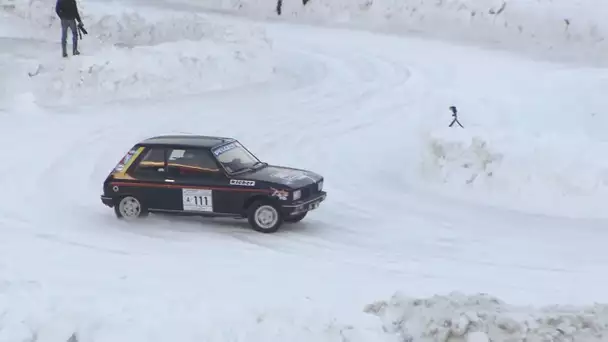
(564, 28)
(457, 317)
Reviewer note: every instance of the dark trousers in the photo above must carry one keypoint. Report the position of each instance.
(71, 24)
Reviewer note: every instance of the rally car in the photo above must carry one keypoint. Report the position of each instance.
(209, 176)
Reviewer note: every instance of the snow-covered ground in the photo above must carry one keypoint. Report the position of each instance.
(555, 29)
(511, 205)
(176, 52)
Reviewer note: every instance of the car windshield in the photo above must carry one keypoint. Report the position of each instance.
(235, 158)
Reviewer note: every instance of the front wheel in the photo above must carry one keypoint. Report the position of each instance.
(265, 217)
(129, 208)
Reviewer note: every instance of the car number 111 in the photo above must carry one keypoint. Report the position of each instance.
(197, 200)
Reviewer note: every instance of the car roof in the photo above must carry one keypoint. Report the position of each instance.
(186, 141)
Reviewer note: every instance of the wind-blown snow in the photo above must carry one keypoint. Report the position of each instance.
(482, 318)
(176, 53)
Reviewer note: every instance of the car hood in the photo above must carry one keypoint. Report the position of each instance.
(286, 176)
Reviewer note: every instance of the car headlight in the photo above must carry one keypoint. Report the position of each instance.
(297, 194)
(320, 186)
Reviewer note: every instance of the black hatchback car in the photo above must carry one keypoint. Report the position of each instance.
(209, 176)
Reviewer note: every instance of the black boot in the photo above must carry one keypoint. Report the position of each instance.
(75, 51)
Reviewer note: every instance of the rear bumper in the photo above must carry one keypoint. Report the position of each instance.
(108, 201)
(299, 207)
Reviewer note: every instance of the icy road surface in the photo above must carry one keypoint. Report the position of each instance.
(361, 109)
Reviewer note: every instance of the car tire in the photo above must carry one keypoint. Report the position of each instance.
(296, 218)
(265, 217)
(129, 208)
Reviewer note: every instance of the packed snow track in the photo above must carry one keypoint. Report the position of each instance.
(512, 205)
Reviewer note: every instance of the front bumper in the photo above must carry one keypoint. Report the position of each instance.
(108, 201)
(300, 207)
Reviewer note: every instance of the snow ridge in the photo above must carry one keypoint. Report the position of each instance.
(550, 27)
(177, 53)
(547, 173)
(482, 318)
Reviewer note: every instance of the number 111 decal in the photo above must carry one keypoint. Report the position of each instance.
(197, 200)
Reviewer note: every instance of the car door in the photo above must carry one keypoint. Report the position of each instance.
(148, 178)
(200, 184)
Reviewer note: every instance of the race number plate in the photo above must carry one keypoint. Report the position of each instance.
(197, 200)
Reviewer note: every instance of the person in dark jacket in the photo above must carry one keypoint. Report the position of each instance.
(67, 10)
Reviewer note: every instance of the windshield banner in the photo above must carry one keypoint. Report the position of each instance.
(224, 148)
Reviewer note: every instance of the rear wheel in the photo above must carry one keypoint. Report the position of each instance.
(130, 208)
(265, 217)
(296, 218)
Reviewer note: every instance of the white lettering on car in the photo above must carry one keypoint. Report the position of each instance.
(242, 182)
(223, 149)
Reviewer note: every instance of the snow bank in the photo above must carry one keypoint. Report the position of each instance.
(557, 174)
(522, 24)
(165, 69)
(483, 318)
(139, 25)
(176, 53)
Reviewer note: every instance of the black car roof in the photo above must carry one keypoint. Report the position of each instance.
(186, 141)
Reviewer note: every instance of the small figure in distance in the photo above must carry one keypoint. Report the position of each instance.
(455, 116)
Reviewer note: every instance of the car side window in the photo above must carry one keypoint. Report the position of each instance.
(191, 163)
(151, 165)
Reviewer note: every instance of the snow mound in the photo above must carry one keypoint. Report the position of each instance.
(550, 173)
(483, 318)
(522, 24)
(162, 70)
(139, 25)
(462, 158)
(176, 53)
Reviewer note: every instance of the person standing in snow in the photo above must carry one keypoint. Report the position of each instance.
(67, 10)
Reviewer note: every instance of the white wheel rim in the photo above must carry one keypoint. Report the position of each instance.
(129, 207)
(266, 216)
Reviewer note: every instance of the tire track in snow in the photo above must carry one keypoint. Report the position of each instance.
(322, 124)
